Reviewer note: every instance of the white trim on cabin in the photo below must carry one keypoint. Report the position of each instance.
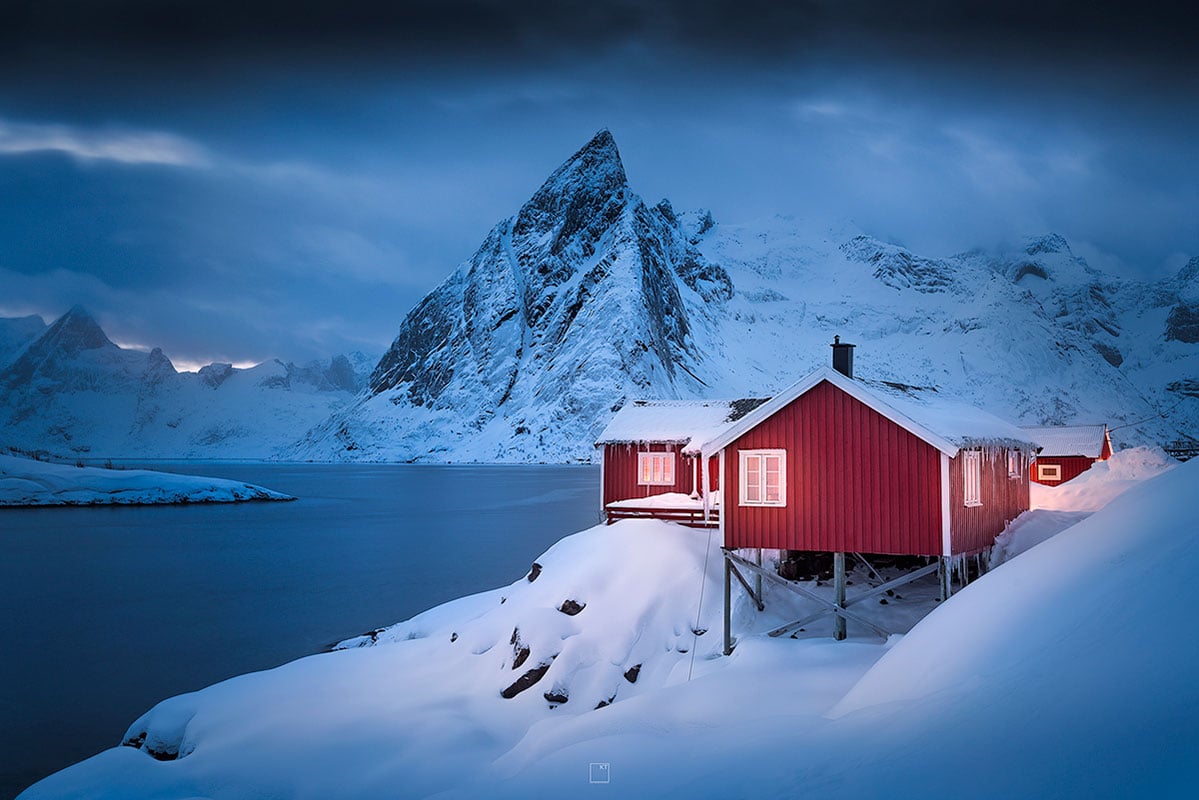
(655, 468)
(851, 387)
(761, 487)
(972, 478)
(1044, 469)
(603, 461)
(946, 509)
(724, 488)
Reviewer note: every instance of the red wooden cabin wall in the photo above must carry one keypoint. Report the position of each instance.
(1072, 467)
(1003, 499)
(621, 473)
(856, 482)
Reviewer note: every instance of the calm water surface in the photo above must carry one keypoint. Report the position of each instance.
(106, 611)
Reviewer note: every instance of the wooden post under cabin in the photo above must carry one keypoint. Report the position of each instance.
(758, 575)
(839, 595)
(728, 611)
(943, 575)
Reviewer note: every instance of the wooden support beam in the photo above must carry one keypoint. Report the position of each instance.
(728, 605)
(830, 607)
(943, 575)
(869, 566)
(895, 583)
(758, 578)
(757, 598)
(839, 595)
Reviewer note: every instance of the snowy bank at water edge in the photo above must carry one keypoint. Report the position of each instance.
(1066, 672)
(26, 482)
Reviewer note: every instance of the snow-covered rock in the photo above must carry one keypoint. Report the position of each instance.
(26, 482)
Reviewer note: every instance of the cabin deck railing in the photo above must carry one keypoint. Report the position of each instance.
(693, 518)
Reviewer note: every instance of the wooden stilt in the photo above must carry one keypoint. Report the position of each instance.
(745, 584)
(943, 575)
(839, 594)
(758, 576)
(820, 600)
(728, 606)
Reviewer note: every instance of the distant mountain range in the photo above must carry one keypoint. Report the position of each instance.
(69, 391)
(588, 297)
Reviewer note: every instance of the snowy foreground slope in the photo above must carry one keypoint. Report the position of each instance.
(25, 482)
(1066, 672)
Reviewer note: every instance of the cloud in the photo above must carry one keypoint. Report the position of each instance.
(124, 146)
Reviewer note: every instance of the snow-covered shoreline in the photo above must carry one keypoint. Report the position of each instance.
(26, 483)
(1060, 665)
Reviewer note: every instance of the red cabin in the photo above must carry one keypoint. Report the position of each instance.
(832, 464)
(845, 465)
(651, 456)
(1068, 451)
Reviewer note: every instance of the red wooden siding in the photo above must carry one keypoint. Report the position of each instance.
(620, 472)
(1072, 467)
(1003, 499)
(856, 482)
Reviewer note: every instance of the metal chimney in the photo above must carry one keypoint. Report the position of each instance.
(842, 357)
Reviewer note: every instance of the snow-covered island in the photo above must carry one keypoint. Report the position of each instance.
(27, 482)
(1065, 671)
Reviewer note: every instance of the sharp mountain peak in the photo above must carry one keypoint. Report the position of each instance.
(76, 330)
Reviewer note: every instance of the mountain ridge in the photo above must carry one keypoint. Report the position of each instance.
(587, 297)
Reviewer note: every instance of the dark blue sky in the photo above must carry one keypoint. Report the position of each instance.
(244, 180)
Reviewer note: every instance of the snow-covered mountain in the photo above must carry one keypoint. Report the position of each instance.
(589, 296)
(583, 297)
(69, 390)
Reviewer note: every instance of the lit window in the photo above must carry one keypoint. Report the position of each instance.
(763, 477)
(1013, 464)
(655, 469)
(972, 473)
(1049, 472)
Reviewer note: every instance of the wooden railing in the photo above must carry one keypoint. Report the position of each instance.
(693, 518)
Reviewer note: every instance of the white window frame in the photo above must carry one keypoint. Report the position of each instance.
(1013, 464)
(1042, 468)
(972, 478)
(761, 456)
(661, 475)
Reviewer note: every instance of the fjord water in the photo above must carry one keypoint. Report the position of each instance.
(106, 611)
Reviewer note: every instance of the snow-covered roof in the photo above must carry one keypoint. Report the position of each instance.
(686, 422)
(946, 424)
(1069, 440)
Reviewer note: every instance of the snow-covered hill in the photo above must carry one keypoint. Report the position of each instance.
(1065, 672)
(589, 296)
(72, 392)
